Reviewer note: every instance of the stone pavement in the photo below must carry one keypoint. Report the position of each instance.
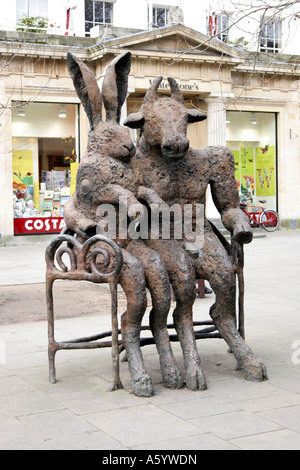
(233, 414)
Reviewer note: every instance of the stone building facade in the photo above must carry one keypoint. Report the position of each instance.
(251, 101)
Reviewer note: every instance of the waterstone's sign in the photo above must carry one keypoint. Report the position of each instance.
(193, 86)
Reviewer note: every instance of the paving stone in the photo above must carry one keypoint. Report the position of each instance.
(288, 417)
(97, 440)
(270, 402)
(237, 424)
(56, 424)
(200, 441)
(16, 436)
(284, 439)
(143, 424)
(29, 403)
(197, 408)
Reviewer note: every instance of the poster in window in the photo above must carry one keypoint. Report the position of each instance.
(22, 170)
(265, 171)
(247, 172)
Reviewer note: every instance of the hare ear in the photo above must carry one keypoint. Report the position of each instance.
(87, 89)
(115, 85)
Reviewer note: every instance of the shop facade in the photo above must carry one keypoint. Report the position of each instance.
(44, 154)
(44, 127)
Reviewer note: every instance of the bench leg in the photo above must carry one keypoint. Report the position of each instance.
(51, 341)
(200, 289)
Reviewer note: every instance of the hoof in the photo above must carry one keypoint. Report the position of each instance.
(195, 380)
(172, 377)
(143, 387)
(255, 371)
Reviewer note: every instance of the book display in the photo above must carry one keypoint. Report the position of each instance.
(43, 213)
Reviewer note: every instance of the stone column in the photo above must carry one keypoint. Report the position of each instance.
(216, 135)
(6, 194)
(216, 120)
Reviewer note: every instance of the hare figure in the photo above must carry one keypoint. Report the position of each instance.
(105, 177)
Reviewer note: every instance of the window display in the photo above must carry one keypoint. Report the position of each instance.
(251, 138)
(44, 166)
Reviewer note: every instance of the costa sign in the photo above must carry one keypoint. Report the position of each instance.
(37, 225)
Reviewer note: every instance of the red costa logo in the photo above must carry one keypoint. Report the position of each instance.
(36, 225)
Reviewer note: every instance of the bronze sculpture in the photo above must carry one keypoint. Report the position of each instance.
(164, 170)
(179, 174)
(104, 177)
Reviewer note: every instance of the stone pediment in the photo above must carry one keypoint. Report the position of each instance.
(177, 40)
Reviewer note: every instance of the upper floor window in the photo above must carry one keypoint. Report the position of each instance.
(160, 17)
(270, 35)
(31, 8)
(217, 26)
(97, 13)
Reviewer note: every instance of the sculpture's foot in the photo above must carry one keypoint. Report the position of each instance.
(195, 379)
(172, 377)
(143, 387)
(254, 370)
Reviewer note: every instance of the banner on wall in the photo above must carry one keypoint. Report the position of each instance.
(247, 172)
(22, 170)
(265, 171)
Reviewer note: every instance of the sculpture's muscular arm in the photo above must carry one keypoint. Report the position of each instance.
(225, 194)
(117, 195)
(83, 221)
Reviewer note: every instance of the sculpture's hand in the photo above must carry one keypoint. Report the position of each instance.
(237, 223)
(149, 195)
(86, 227)
(242, 232)
(192, 250)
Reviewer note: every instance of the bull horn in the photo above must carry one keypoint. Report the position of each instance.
(152, 92)
(175, 90)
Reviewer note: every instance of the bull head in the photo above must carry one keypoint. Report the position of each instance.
(163, 121)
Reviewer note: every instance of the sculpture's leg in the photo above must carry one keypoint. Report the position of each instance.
(132, 280)
(216, 266)
(116, 381)
(182, 277)
(157, 281)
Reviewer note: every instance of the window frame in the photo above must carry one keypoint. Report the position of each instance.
(39, 9)
(94, 22)
(219, 30)
(270, 43)
(155, 16)
(222, 27)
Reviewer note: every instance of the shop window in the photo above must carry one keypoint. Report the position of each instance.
(31, 8)
(251, 137)
(97, 13)
(270, 35)
(44, 165)
(160, 16)
(217, 26)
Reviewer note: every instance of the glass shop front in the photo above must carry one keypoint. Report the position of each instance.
(252, 138)
(44, 154)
